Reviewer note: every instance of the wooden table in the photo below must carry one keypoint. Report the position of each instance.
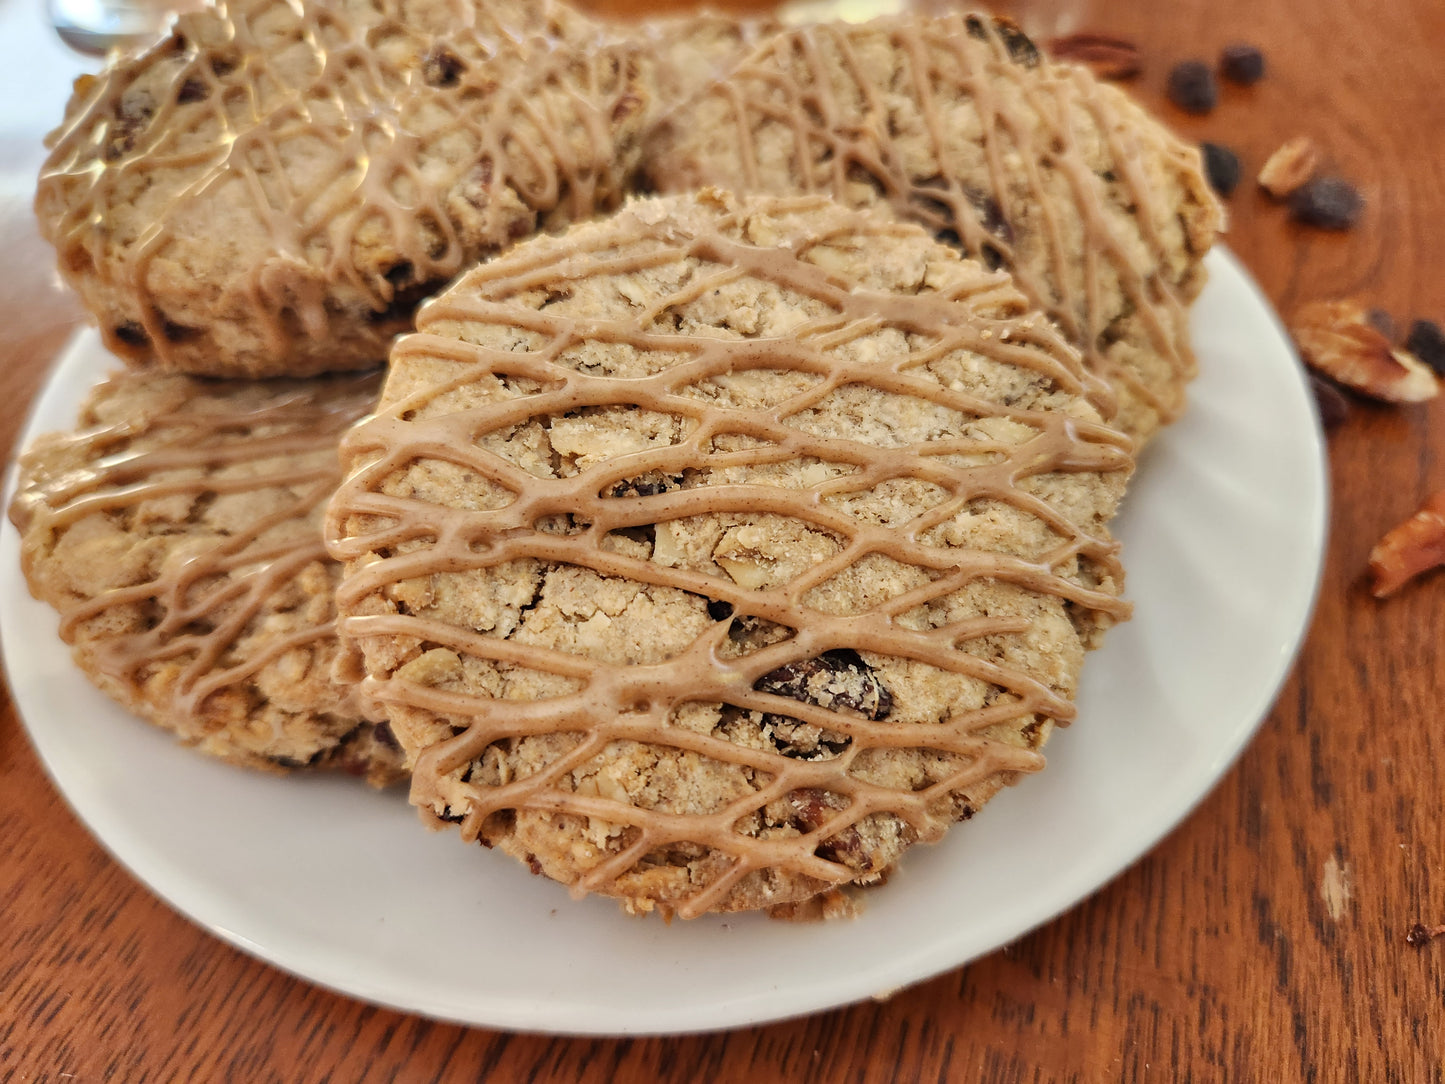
(1264, 939)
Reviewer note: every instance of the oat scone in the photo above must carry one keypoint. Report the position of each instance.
(178, 533)
(270, 190)
(958, 122)
(690, 51)
(709, 556)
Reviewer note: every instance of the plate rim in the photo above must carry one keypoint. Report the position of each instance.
(178, 891)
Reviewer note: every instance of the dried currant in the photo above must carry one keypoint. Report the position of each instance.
(1330, 203)
(1427, 342)
(1242, 64)
(441, 67)
(1192, 87)
(1334, 408)
(1221, 166)
(834, 679)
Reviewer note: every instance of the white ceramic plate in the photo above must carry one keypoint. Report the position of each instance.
(1224, 532)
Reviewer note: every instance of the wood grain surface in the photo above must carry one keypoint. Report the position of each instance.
(1262, 940)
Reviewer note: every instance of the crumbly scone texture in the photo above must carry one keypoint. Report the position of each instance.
(959, 123)
(692, 50)
(270, 190)
(709, 556)
(178, 533)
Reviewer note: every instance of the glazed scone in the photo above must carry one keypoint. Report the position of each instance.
(958, 122)
(270, 190)
(709, 556)
(178, 533)
(691, 50)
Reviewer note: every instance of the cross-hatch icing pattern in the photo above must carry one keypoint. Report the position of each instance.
(205, 601)
(501, 356)
(306, 172)
(960, 124)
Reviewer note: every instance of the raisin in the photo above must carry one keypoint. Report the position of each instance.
(649, 485)
(1382, 322)
(193, 90)
(1331, 203)
(405, 300)
(719, 610)
(1221, 166)
(1021, 49)
(1334, 408)
(441, 67)
(1192, 87)
(132, 334)
(179, 333)
(834, 679)
(1242, 64)
(1427, 342)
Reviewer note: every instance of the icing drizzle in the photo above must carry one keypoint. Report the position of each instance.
(203, 625)
(318, 167)
(971, 97)
(391, 535)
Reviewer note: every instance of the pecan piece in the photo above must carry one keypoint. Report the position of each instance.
(1338, 339)
(1413, 547)
(1107, 57)
(1290, 167)
(1421, 934)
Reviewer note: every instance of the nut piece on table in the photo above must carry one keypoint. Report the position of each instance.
(1338, 339)
(1106, 56)
(1290, 167)
(1413, 547)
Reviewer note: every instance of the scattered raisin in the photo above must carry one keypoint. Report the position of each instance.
(1021, 49)
(1192, 87)
(1334, 408)
(132, 334)
(193, 90)
(441, 67)
(1242, 64)
(1331, 203)
(1427, 342)
(1221, 166)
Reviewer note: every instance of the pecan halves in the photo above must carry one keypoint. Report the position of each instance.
(1290, 167)
(1107, 57)
(1338, 339)
(1413, 547)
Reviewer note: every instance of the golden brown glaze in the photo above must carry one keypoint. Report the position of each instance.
(493, 356)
